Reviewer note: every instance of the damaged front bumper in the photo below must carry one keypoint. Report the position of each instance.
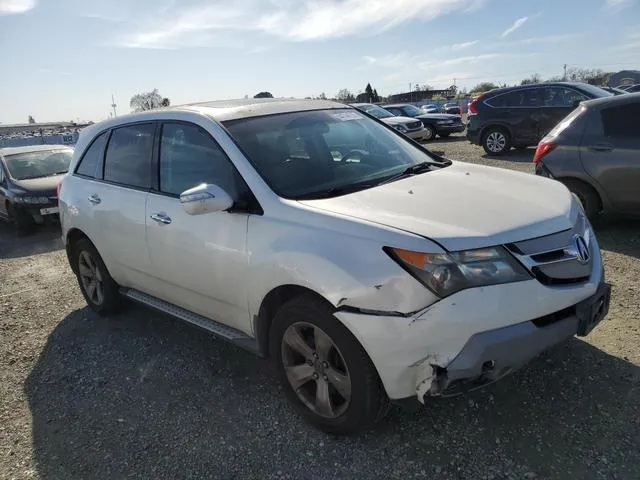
(476, 336)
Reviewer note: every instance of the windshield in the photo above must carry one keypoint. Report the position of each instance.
(377, 111)
(595, 92)
(43, 163)
(313, 154)
(412, 110)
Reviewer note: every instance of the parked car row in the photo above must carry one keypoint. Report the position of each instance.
(452, 108)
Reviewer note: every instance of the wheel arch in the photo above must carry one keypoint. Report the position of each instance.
(604, 203)
(73, 236)
(500, 125)
(270, 305)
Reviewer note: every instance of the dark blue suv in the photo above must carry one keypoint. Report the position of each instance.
(520, 116)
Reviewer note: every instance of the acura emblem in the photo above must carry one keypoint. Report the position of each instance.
(580, 249)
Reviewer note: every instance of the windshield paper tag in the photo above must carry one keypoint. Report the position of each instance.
(344, 116)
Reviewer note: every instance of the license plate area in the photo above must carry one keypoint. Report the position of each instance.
(591, 311)
(49, 211)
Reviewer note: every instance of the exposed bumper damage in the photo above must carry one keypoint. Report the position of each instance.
(489, 356)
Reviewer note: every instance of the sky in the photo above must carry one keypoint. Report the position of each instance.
(63, 59)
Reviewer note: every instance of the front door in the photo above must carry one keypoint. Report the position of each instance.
(610, 153)
(3, 193)
(557, 103)
(200, 259)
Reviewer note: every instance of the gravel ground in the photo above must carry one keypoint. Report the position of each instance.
(142, 396)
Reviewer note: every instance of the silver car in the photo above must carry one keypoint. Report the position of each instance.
(411, 127)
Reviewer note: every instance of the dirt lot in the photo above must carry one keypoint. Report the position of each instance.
(142, 396)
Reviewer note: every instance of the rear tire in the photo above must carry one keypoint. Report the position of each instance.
(496, 141)
(306, 339)
(588, 197)
(98, 288)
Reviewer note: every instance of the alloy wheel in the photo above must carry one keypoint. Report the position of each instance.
(90, 277)
(496, 142)
(316, 369)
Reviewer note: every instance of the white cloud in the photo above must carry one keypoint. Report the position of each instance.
(514, 26)
(16, 6)
(468, 60)
(619, 4)
(550, 39)
(289, 20)
(462, 46)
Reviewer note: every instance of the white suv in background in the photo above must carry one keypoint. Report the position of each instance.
(368, 268)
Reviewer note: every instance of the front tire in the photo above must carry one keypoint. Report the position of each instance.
(430, 133)
(325, 372)
(22, 221)
(496, 141)
(98, 288)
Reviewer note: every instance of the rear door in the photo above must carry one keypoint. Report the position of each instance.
(557, 103)
(519, 111)
(610, 153)
(118, 202)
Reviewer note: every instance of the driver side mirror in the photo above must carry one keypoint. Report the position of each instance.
(205, 198)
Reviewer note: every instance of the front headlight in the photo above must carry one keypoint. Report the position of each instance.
(32, 200)
(448, 273)
(400, 128)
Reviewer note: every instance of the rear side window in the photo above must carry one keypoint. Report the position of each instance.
(91, 162)
(128, 159)
(527, 98)
(561, 97)
(621, 121)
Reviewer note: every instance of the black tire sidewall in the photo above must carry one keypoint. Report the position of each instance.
(112, 300)
(364, 407)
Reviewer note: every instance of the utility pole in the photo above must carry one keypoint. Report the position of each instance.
(113, 105)
(564, 77)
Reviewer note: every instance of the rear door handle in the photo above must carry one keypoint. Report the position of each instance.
(161, 218)
(94, 198)
(601, 147)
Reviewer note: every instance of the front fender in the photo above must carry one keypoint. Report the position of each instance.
(349, 271)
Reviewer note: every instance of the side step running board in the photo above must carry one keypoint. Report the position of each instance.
(223, 331)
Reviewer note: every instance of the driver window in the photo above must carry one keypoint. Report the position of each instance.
(189, 157)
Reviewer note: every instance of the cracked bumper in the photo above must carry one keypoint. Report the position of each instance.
(471, 338)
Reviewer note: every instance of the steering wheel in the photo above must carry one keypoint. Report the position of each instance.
(353, 153)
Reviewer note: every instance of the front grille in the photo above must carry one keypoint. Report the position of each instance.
(561, 258)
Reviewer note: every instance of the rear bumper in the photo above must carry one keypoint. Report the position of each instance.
(473, 136)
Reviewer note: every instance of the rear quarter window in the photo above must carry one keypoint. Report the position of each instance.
(90, 164)
(621, 121)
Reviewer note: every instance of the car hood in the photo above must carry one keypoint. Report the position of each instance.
(438, 116)
(398, 120)
(44, 184)
(463, 206)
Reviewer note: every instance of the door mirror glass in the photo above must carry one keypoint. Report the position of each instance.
(205, 198)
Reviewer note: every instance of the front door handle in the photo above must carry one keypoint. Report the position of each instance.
(94, 198)
(601, 147)
(161, 218)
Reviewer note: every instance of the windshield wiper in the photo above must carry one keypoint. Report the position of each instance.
(416, 169)
(335, 191)
(31, 177)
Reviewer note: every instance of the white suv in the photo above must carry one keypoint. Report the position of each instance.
(367, 267)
